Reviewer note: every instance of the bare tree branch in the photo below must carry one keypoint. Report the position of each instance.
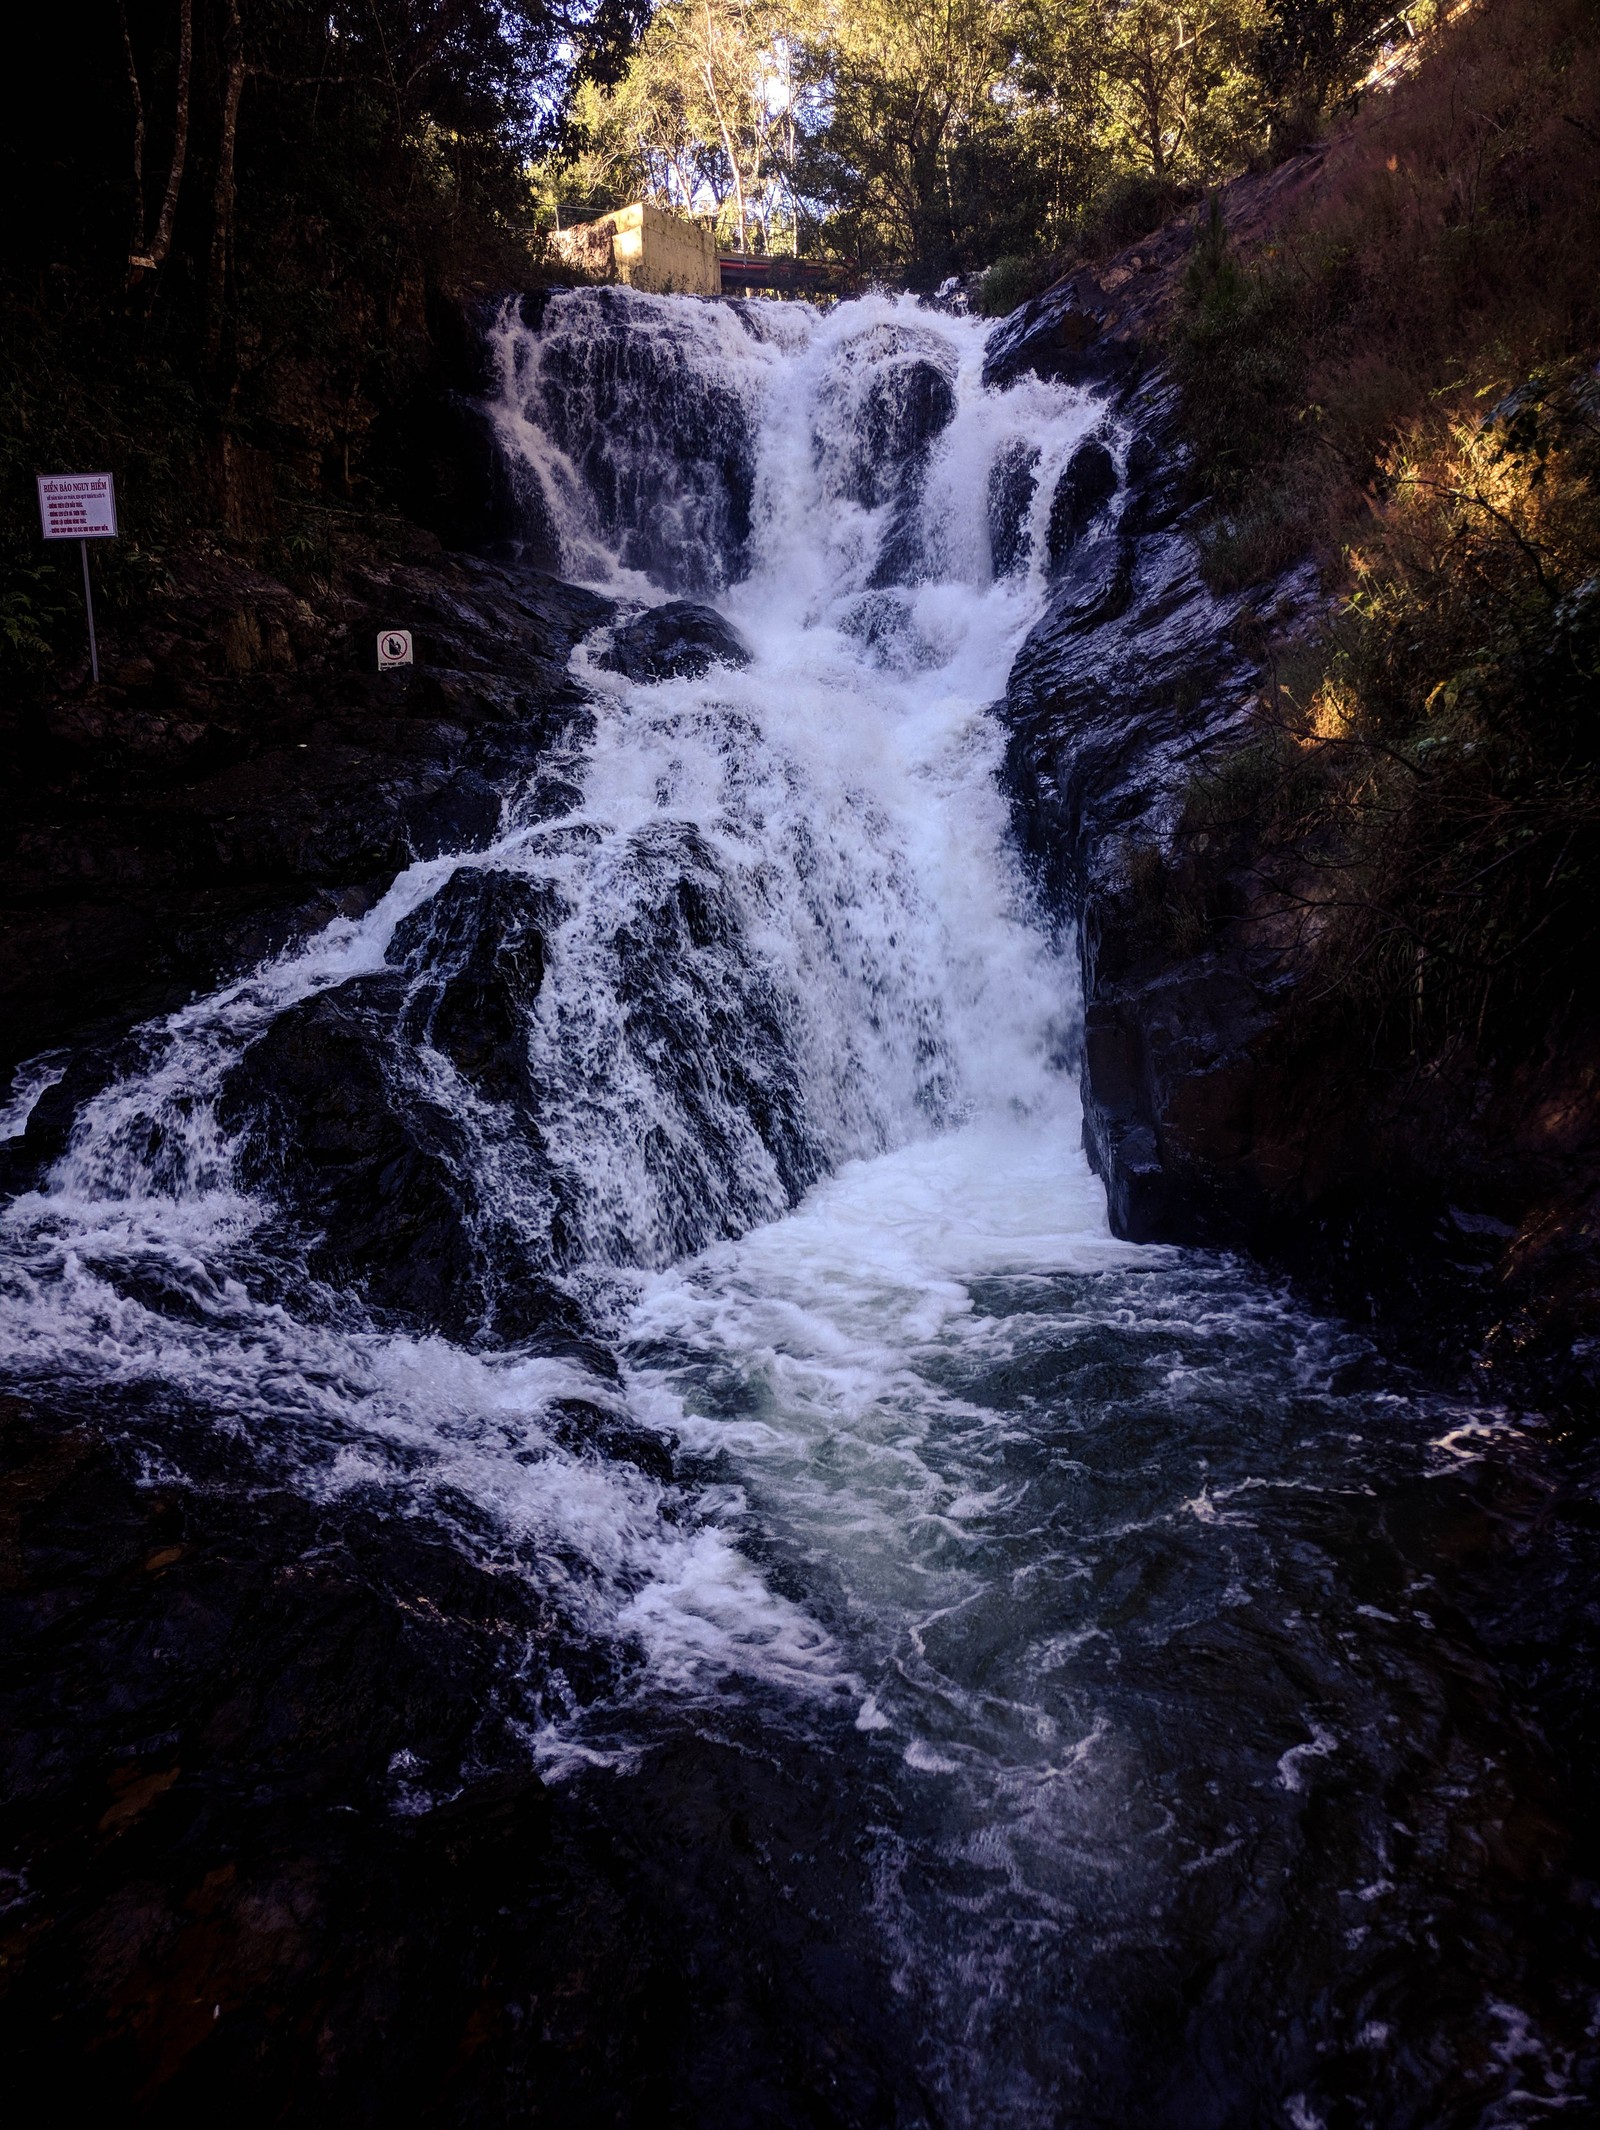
(138, 132)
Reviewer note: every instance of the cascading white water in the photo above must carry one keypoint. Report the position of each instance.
(862, 957)
(1081, 1550)
(836, 797)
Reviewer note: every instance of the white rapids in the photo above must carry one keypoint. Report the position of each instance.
(840, 794)
(1077, 1556)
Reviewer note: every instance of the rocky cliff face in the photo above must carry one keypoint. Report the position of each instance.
(244, 773)
(1221, 1106)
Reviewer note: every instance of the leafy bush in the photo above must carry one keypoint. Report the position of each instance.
(1014, 280)
(1423, 799)
(1448, 244)
(1129, 207)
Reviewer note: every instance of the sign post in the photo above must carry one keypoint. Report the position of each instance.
(394, 649)
(81, 507)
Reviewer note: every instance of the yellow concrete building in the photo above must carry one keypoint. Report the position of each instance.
(645, 248)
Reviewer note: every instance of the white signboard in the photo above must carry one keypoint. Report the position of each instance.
(78, 506)
(394, 648)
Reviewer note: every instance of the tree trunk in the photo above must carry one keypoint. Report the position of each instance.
(136, 247)
(728, 148)
(222, 196)
(161, 242)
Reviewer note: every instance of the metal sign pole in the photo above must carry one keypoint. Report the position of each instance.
(88, 603)
(81, 507)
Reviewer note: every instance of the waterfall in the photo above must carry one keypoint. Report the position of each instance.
(680, 1202)
(778, 928)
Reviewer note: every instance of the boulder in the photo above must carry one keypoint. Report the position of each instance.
(1067, 335)
(373, 1173)
(678, 641)
(663, 444)
(339, 1120)
(904, 407)
(885, 626)
(479, 948)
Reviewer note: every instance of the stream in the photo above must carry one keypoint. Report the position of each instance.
(1140, 1613)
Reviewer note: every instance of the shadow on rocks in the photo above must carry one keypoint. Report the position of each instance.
(276, 1853)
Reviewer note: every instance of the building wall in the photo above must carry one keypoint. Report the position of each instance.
(646, 249)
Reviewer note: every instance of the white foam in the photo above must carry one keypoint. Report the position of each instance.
(31, 1079)
(837, 802)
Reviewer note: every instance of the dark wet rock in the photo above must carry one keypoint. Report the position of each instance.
(704, 1020)
(256, 774)
(347, 1119)
(372, 1170)
(1063, 335)
(338, 1122)
(1087, 485)
(888, 397)
(26, 1160)
(883, 622)
(904, 407)
(678, 641)
(445, 465)
(665, 450)
(1013, 479)
(275, 1850)
(477, 952)
(581, 1426)
(1221, 1106)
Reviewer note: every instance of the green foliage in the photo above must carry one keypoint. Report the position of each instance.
(1451, 235)
(1416, 817)
(1240, 357)
(32, 618)
(67, 401)
(923, 137)
(1014, 280)
(1422, 800)
(1128, 207)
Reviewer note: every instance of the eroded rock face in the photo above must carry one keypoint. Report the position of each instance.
(1065, 334)
(888, 397)
(1013, 480)
(1220, 1106)
(665, 447)
(1085, 488)
(678, 641)
(1131, 678)
(340, 1122)
(903, 409)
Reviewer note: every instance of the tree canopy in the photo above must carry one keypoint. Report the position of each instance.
(929, 136)
(232, 220)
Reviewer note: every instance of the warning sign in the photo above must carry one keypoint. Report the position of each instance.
(394, 648)
(78, 506)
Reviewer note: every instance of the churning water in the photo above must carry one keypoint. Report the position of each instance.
(1190, 1797)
